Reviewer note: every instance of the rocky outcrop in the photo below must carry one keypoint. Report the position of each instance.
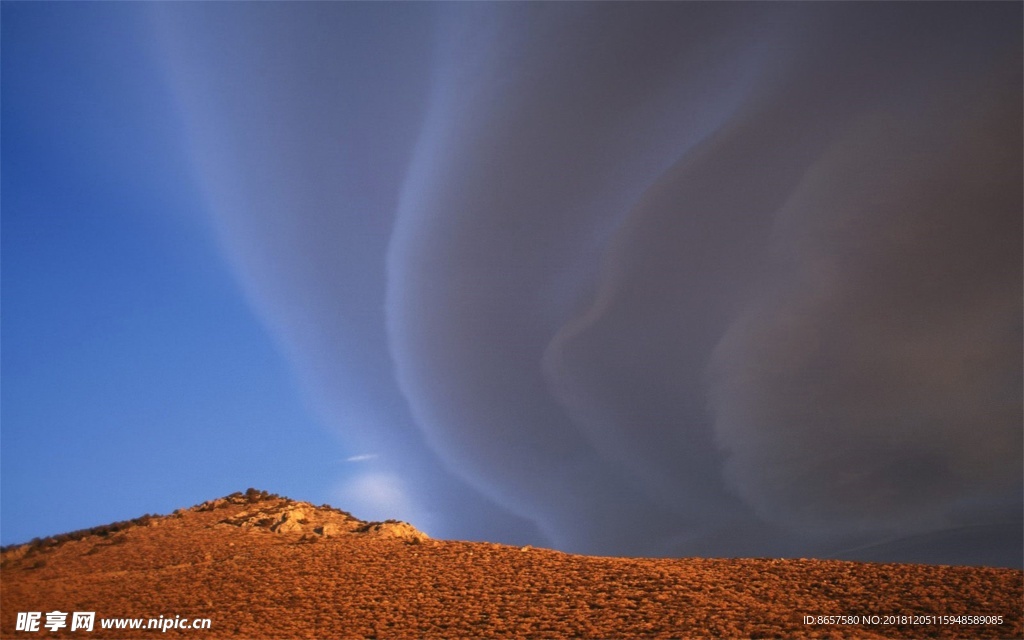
(292, 520)
(284, 516)
(393, 529)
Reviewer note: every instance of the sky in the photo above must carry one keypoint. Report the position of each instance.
(661, 279)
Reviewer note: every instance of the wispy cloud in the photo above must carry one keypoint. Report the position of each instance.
(362, 457)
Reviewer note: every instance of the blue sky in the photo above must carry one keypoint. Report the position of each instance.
(620, 278)
(136, 378)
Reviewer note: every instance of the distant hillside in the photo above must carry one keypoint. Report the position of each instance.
(256, 565)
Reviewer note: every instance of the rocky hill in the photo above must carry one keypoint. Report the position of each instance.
(256, 565)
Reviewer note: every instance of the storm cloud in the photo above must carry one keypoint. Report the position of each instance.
(733, 279)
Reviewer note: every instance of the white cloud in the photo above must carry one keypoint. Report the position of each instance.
(377, 496)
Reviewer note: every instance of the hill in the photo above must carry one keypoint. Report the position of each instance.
(257, 565)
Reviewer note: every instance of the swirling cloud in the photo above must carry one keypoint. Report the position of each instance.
(656, 278)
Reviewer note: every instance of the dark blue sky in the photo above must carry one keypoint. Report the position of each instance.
(135, 376)
(619, 278)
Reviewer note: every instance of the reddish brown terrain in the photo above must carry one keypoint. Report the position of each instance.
(259, 566)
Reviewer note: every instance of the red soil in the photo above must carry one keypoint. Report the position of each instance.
(271, 568)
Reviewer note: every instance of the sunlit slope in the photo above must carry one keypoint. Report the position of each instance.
(257, 565)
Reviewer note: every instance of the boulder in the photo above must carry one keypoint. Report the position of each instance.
(292, 519)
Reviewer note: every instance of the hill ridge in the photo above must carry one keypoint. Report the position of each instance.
(261, 565)
(289, 513)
